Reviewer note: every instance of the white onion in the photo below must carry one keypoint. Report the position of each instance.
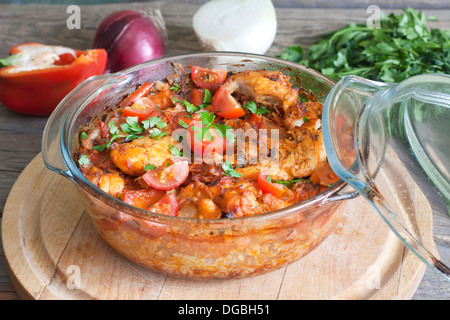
(236, 25)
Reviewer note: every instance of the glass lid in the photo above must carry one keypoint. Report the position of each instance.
(390, 142)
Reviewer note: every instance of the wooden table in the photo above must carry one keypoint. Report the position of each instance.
(299, 22)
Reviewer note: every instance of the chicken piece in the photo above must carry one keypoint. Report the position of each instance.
(240, 199)
(269, 88)
(131, 157)
(208, 209)
(308, 155)
(195, 201)
(300, 149)
(111, 183)
(271, 203)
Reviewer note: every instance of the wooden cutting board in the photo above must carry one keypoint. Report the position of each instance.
(54, 252)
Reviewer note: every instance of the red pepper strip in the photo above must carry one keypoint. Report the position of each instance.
(139, 93)
(38, 90)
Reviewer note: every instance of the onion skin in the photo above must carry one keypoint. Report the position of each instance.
(129, 38)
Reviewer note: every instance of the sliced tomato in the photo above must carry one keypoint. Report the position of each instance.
(197, 97)
(139, 93)
(225, 105)
(142, 108)
(211, 142)
(266, 186)
(167, 177)
(207, 78)
(168, 205)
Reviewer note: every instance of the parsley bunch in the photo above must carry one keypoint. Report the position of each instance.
(401, 48)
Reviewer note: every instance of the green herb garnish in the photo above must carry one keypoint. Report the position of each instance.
(83, 135)
(175, 151)
(84, 160)
(148, 167)
(290, 183)
(251, 105)
(190, 108)
(229, 171)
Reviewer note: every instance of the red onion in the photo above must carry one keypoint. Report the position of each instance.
(129, 38)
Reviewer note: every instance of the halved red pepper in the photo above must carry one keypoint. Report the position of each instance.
(40, 76)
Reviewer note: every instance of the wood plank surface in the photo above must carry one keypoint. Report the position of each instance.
(299, 22)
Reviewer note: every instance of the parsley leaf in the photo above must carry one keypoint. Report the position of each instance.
(183, 124)
(112, 128)
(224, 131)
(190, 108)
(131, 126)
(207, 99)
(148, 167)
(154, 121)
(290, 183)
(83, 160)
(175, 151)
(251, 105)
(83, 135)
(229, 171)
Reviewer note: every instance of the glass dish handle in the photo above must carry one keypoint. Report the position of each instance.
(53, 131)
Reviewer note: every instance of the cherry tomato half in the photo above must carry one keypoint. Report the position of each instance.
(167, 177)
(225, 105)
(168, 205)
(142, 108)
(266, 186)
(211, 142)
(197, 97)
(206, 78)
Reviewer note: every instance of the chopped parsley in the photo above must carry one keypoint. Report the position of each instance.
(84, 160)
(134, 129)
(253, 107)
(83, 135)
(290, 183)
(175, 151)
(148, 167)
(191, 108)
(229, 171)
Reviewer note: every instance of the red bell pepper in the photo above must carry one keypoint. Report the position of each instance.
(37, 77)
